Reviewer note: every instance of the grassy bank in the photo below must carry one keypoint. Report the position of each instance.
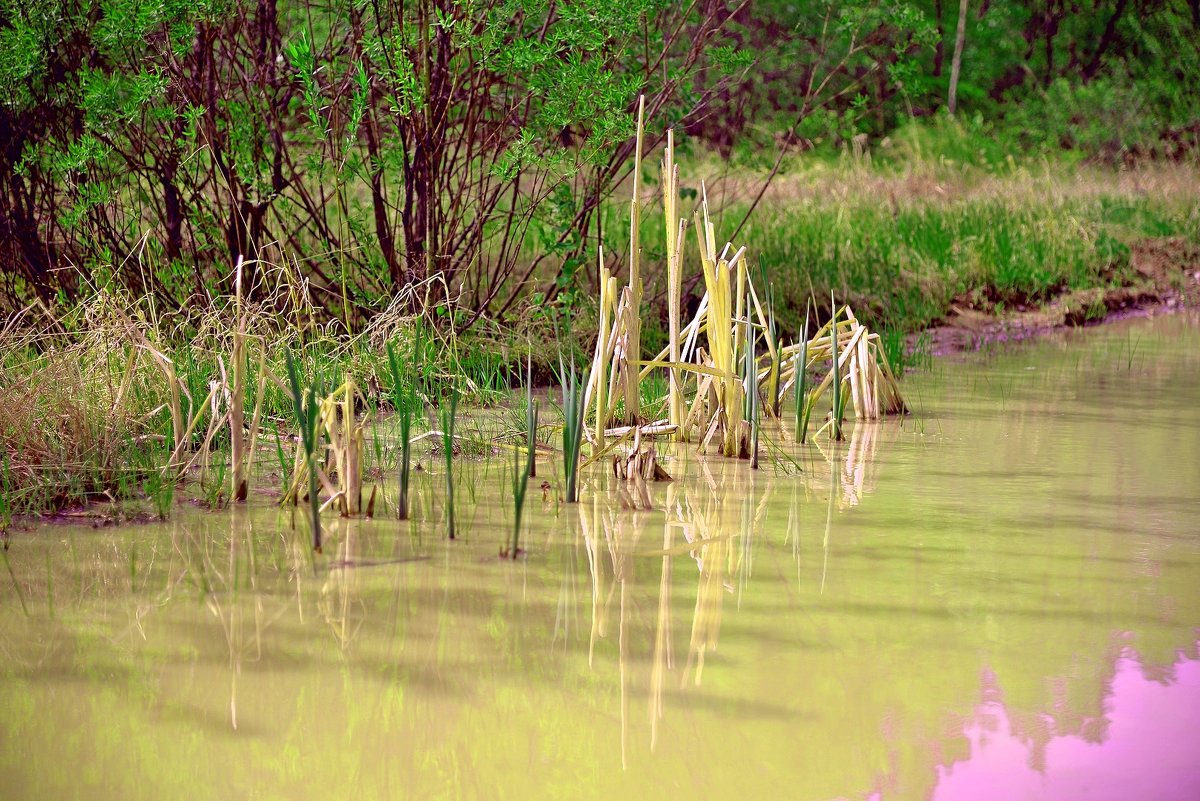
(905, 240)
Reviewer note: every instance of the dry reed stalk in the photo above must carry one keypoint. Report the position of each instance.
(346, 439)
(633, 348)
(676, 406)
(236, 399)
(599, 374)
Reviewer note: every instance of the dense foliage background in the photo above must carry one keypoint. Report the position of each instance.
(462, 148)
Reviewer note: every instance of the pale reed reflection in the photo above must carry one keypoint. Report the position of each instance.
(858, 466)
(860, 462)
(226, 602)
(663, 660)
(339, 602)
(589, 520)
(714, 523)
(620, 533)
(566, 614)
(833, 483)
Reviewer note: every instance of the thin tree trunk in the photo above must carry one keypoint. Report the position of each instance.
(939, 51)
(1110, 35)
(960, 39)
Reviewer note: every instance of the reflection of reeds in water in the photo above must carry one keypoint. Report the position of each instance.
(713, 526)
(712, 555)
(859, 464)
(244, 638)
(662, 660)
(589, 520)
(566, 617)
(339, 594)
(449, 415)
(833, 482)
(608, 532)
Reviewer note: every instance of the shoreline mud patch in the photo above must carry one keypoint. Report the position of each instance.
(1163, 277)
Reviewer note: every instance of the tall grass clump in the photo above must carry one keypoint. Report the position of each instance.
(84, 400)
(732, 383)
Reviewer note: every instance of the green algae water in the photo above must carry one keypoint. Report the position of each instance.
(998, 597)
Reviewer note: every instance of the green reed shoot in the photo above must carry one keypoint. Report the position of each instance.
(752, 394)
(803, 407)
(773, 349)
(573, 387)
(531, 418)
(285, 469)
(838, 406)
(211, 484)
(404, 400)
(520, 476)
(448, 414)
(161, 492)
(307, 420)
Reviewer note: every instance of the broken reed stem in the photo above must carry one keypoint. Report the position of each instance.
(752, 398)
(351, 446)
(633, 348)
(600, 364)
(674, 232)
(237, 442)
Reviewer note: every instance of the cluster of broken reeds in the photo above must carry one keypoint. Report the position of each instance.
(718, 383)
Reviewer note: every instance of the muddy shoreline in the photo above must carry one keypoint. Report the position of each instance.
(1167, 281)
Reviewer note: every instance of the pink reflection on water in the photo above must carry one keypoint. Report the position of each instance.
(1146, 746)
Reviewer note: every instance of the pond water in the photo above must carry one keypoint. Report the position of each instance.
(998, 597)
